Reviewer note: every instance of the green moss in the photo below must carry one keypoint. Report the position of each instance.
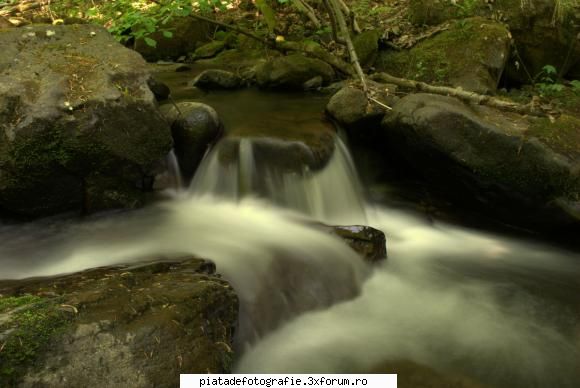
(562, 136)
(460, 50)
(29, 331)
(10, 302)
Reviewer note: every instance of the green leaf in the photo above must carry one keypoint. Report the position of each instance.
(549, 69)
(168, 34)
(150, 42)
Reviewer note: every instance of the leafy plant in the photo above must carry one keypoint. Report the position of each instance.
(548, 85)
(575, 85)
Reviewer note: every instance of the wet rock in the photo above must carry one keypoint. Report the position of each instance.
(187, 32)
(368, 242)
(80, 109)
(139, 325)
(292, 287)
(526, 170)
(217, 79)
(353, 111)
(194, 127)
(294, 149)
(159, 89)
(209, 50)
(292, 71)
(471, 54)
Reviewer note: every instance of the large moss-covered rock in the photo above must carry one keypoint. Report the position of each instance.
(75, 111)
(527, 170)
(545, 32)
(139, 325)
(292, 72)
(187, 35)
(471, 54)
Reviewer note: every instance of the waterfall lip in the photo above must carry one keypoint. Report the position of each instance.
(332, 194)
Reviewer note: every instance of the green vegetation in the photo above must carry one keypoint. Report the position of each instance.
(28, 330)
(11, 302)
(562, 135)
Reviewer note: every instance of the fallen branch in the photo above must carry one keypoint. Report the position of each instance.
(343, 30)
(472, 97)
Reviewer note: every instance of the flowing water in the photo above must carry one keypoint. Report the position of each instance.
(500, 311)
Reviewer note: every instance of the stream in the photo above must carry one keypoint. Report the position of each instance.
(501, 311)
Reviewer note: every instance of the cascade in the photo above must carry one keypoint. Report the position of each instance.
(330, 195)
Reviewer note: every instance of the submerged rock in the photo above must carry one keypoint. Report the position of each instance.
(523, 169)
(75, 112)
(139, 325)
(292, 72)
(471, 54)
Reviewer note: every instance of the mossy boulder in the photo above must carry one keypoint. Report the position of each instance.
(471, 54)
(139, 325)
(545, 32)
(187, 35)
(292, 72)
(524, 169)
(75, 110)
(366, 45)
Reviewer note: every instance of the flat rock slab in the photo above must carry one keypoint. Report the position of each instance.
(120, 326)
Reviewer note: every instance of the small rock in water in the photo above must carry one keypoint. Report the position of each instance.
(368, 242)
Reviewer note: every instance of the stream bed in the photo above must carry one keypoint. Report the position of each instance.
(501, 311)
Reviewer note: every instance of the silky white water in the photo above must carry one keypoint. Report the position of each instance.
(332, 195)
(500, 311)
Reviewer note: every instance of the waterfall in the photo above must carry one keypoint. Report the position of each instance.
(332, 194)
(174, 170)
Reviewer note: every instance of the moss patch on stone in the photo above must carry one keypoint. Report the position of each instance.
(563, 135)
(11, 302)
(460, 50)
(27, 332)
